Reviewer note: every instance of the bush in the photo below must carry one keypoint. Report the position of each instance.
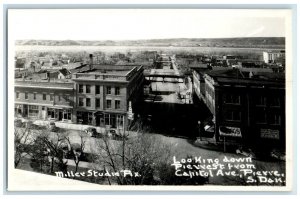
(19, 123)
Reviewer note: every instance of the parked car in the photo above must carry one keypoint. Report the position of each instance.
(112, 133)
(92, 132)
(53, 127)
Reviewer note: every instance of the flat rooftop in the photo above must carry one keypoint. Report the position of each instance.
(237, 76)
(108, 72)
(44, 84)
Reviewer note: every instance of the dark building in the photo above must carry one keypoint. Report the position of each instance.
(248, 107)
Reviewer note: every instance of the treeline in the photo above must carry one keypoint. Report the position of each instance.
(184, 42)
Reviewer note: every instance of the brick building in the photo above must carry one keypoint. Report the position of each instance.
(44, 100)
(105, 93)
(99, 96)
(247, 107)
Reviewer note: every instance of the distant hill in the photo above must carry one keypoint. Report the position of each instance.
(249, 42)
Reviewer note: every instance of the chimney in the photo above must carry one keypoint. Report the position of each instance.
(91, 61)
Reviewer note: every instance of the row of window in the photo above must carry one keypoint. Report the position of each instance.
(262, 101)
(33, 111)
(108, 103)
(261, 118)
(51, 96)
(112, 120)
(97, 89)
(274, 119)
(259, 101)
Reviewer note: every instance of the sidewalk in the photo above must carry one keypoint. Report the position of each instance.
(76, 127)
(71, 126)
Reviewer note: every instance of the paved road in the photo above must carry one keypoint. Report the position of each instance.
(180, 148)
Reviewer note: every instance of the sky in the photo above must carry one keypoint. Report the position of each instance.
(133, 24)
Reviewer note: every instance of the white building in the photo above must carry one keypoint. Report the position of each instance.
(271, 56)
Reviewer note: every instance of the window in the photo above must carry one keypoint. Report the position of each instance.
(79, 117)
(44, 96)
(88, 102)
(51, 97)
(59, 98)
(90, 118)
(97, 102)
(51, 113)
(261, 101)
(233, 116)
(17, 95)
(67, 114)
(117, 104)
(108, 90)
(110, 119)
(18, 110)
(232, 99)
(26, 95)
(80, 101)
(80, 88)
(88, 88)
(120, 121)
(33, 111)
(34, 96)
(67, 98)
(117, 91)
(97, 89)
(43, 108)
(261, 117)
(106, 119)
(275, 119)
(108, 103)
(275, 102)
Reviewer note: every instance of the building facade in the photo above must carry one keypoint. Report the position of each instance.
(104, 94)
(44, 100)
(273, 56)
(98, 96)
(248, 108)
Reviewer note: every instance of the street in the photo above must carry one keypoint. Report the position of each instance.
(182, 148)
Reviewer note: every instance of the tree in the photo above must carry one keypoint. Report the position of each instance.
(38, 152)
(139, 154)
(48, 147)
(77, 149)
(22, 138)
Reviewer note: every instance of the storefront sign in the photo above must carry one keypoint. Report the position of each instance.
(130, 114)
(269, 133)
(230, 131)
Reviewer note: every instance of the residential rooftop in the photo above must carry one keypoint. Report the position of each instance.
(247, 76)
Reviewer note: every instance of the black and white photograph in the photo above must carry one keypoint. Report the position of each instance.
(150, 99)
